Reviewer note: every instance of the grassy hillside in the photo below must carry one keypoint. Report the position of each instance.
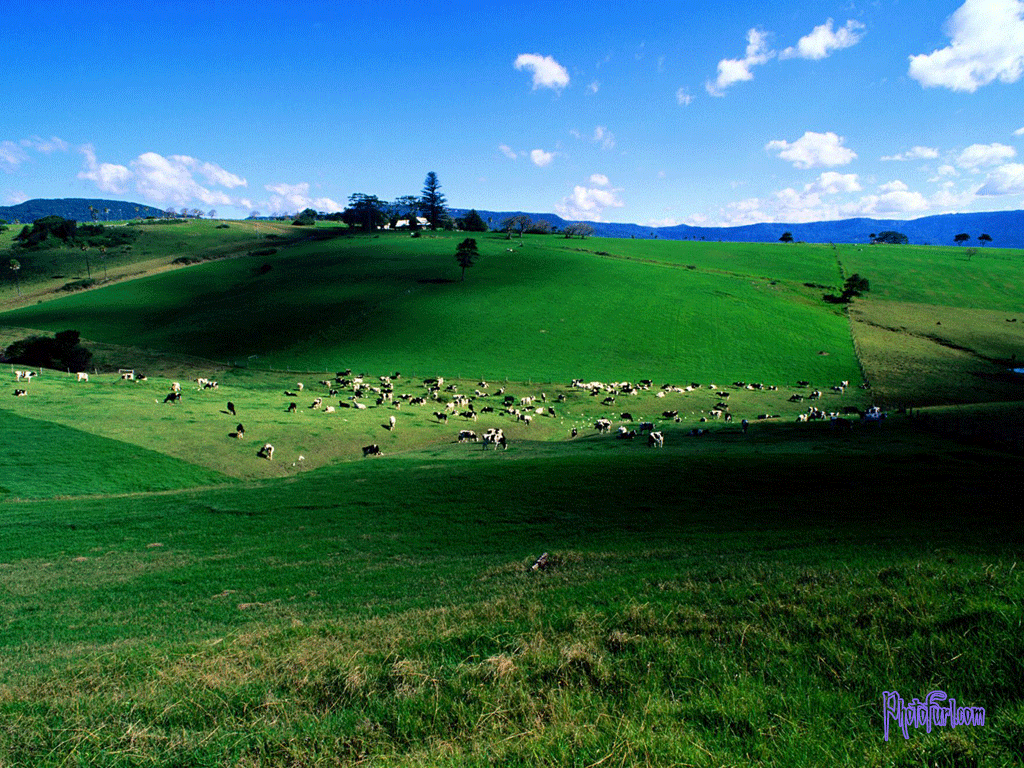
(549, 310)
(169, 598)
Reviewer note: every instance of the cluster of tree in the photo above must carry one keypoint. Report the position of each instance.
(54, 231)
(890, 237)
(855, 285)
(963, 237)
(369, 213)
(186, 213)
(62, 352)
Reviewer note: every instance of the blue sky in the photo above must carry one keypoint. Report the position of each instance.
(678, 112)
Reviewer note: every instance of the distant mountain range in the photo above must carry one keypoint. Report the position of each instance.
(1006, 228)
(77, 208)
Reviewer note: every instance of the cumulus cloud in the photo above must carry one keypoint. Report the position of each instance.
(978, 155)
(986, 43)
(813, 149)
(1019, 132)
(547, 73)
(594, 87)
(732, 71)
(295, 197)
(915, 153)
(164, 180)
(540, 158)
(1005, 180)
(507, 151)
(683, 97)
(600, 180)
(108, 177)
(832, 183)
(822, 40)
(604, 137)
(893, 201)
(589, 203)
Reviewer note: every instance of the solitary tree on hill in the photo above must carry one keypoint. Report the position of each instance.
(962, 238)
(983, 238)
(519, 224)
(432, 201)
(787, 237)
(473, 222)
(466, 254)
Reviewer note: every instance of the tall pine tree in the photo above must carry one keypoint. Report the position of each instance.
(432, 201)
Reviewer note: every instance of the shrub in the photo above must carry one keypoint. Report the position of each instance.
(63, 352)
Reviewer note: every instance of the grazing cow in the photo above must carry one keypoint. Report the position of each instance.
(441, 416)
(467, 434)
(626, 416)
(231, 408)
(266, 452)
(495, 437)
(299, 386)
(574, 432)
(391, 423)
(359, 406)
(173, 397)
(210, 385)
(669, 414)
(83, 376)
(371, 450)
(329, 409)
(175, 386)
(127, 376)
(525, 419)
(240, 431)
(603, 425)
(291, 408)
(646, 426)
(656, 440)
(20, 393)
(317, 403)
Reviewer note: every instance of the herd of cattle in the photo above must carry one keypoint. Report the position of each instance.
(359, 392)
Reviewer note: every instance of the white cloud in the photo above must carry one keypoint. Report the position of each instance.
(915, 153)
(11, 155)
(683, 97)
(547, 73)
(107, 176)
(599, 179)
(46, 146)
(507, 151)
(1019, 132)
(893, 186)
(738, 70)
(15, 197)
(832, 183)
(295, 197)
(589, 203)
(823, 40)
(813, 149)
(1005, 180)
(594, 87)
(540, 158)
(604, 137)
(978, 155)
(986, 43)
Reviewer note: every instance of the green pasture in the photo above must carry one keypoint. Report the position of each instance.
(542, 311)
(168, 598)
(700, 607)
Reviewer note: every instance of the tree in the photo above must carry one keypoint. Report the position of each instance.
(891, 237)
(15, 266)
(962, 238)
(63, 351)
(406, 207)
(519, 223)
(787, 237)
(983, 238)
(473, 222)
(466, 254)
(433, 202)
(364, 211)
(305, 219)
(579, 228)
(540, 227)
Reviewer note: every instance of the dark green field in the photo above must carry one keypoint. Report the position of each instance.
(168, 598)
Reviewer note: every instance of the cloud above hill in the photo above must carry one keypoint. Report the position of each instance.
(589, 203)
(813, 149)
(731, 71)
(986, 44)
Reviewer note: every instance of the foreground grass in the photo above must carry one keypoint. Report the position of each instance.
(746, 608)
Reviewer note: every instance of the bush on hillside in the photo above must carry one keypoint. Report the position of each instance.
(48, 231)
(62, 352)
(890, 237)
